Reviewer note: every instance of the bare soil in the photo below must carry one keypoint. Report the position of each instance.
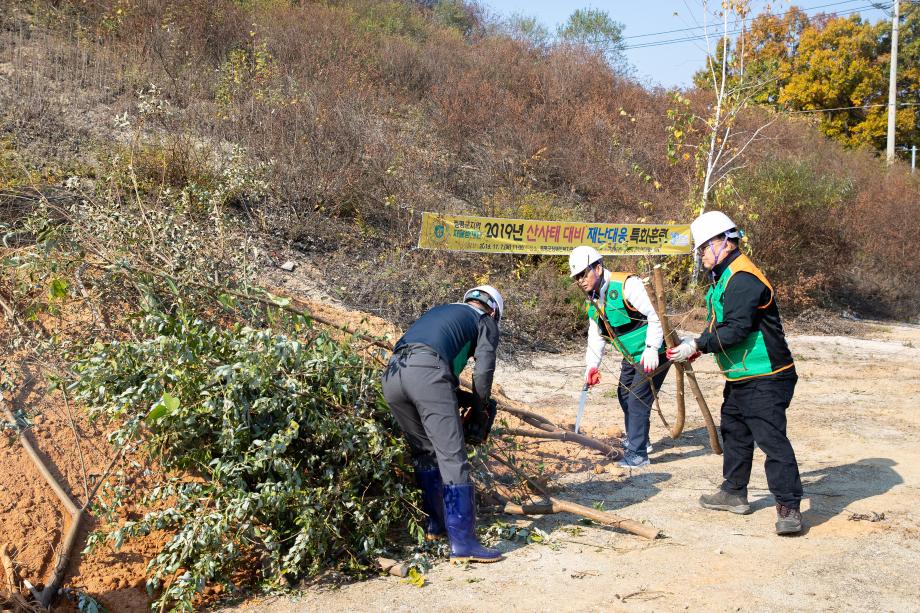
(854, 426)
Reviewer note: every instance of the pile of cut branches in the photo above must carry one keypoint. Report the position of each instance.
(280, 448)
(279, 457)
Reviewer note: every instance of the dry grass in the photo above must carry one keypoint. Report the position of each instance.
(367, 113)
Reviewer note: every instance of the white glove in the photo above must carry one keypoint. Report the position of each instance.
(649, 359)
(682, 352)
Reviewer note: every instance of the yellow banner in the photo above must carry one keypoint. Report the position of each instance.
(491, 235)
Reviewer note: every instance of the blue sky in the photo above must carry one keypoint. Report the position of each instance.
(674, 63)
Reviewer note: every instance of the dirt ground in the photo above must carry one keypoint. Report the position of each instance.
(857, 456)
(854, 426)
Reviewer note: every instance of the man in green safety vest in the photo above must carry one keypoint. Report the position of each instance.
(745, 335)
(620, 312)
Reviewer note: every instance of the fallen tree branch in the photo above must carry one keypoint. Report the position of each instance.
(525, 413)
(554, 505)
(76, 436)
(46, 596)
(565, 436)
(14, 600)
(704, 408)
(670, 339)
(393, 567)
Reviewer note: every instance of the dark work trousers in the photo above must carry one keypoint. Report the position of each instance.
(419, 387)
(754, 411)
(636, 400)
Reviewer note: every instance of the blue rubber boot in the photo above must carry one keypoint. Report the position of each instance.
(429, 481)
(460, 516)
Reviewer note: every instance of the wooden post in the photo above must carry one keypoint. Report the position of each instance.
(687, 369)
(670, 339)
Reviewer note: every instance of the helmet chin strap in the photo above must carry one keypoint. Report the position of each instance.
(715, 261)
(596, 290)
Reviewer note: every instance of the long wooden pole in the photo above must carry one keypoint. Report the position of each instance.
(670, 339)
(46, 596)
(548, 430)
(687, 368)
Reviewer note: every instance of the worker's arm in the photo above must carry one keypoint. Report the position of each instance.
(594, 354)
(744, 294)
(485, 353)
(635, 294)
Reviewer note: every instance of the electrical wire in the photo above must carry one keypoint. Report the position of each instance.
(811, 8)
(697, 37)
(849, 108)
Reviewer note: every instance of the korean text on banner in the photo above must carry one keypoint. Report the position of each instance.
(491, 235)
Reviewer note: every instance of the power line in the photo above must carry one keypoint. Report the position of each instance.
(811, 8)
(850, 108)
(673, 41)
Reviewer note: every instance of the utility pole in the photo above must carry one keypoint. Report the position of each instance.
(892, 81)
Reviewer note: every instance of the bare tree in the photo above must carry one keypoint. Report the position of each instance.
(721, 150)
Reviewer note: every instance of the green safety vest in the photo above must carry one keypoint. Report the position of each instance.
(628, 324)
(748, 358)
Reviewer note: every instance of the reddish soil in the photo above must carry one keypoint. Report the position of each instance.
(33, 522)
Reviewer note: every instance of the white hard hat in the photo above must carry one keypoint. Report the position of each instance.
(489, 296)
(582, 257)
(710, 224)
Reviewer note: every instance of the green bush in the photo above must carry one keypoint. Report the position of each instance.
(792, 213)
(277, 449)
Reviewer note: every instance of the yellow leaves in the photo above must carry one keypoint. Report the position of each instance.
(838, 65)
(415, 578)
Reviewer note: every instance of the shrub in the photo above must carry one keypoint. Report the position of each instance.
(281, 449)
(791, 213)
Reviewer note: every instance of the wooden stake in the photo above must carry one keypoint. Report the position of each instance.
(525, 413)
(612, 452)
(670, 339)
(46, 596)
(687, 369)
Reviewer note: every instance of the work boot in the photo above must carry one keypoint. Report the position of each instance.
(788, 520)
(460, 519)
(429, 481)
(723, 501)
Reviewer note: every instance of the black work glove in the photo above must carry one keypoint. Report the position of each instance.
(478, 420)
(465, 400)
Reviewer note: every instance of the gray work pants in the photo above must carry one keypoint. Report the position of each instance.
(419, 387)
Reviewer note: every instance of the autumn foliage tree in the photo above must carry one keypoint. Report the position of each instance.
(836, 65)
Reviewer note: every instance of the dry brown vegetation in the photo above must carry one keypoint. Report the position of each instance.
(359, 115)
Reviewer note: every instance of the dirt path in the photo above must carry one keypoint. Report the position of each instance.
(854, 425)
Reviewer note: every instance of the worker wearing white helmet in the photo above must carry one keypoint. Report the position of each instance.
(420, 385)
(745, 335)
(620, 312)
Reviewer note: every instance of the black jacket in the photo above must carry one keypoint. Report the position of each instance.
(457, 332)
(741, 317)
